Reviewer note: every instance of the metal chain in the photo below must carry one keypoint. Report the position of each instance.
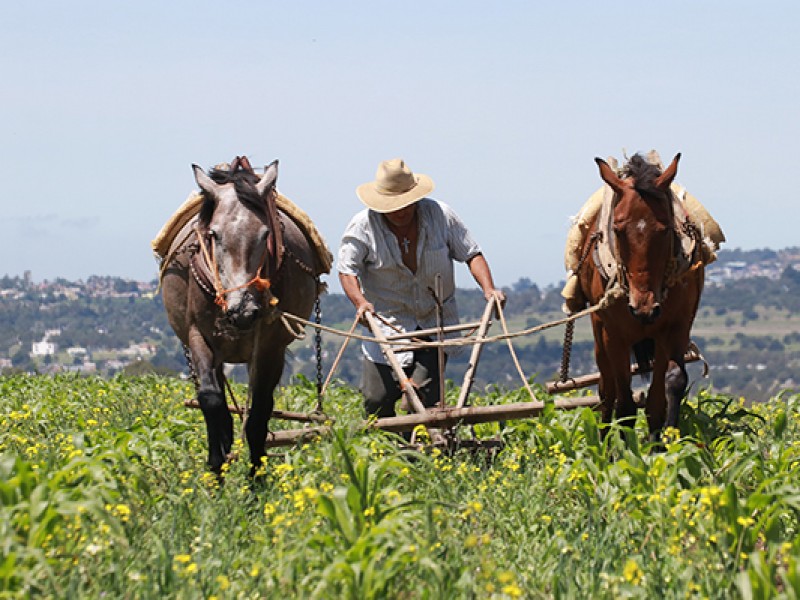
(192, 373)
(318, 343)
(566, 352)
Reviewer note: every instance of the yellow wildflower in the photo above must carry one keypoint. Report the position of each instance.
(632, 572)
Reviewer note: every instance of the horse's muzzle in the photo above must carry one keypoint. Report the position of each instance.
(646, 315)
(244, 314)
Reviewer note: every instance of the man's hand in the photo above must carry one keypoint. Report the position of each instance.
(499, 295)
(352, 289)
(362, 309)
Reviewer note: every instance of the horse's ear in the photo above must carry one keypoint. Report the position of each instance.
(204, 181)
(664, 180)
(268, 179)
(609, 175)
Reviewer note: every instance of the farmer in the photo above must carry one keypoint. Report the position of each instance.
(388, 263)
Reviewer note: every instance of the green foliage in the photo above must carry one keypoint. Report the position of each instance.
(104, 492)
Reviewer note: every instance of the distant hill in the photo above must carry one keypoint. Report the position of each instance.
(748, 327)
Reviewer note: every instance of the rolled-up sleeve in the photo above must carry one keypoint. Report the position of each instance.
(353, 250)
(459, 239)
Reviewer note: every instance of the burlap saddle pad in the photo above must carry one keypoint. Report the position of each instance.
(191, 207)
(687, 209)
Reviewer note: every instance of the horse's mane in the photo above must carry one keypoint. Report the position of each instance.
(244, 182)
(644, 174)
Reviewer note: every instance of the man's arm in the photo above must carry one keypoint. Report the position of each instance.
(483, 276)
(352, 289)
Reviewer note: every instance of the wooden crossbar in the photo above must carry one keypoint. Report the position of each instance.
(276, 414)
(433, 331)
(441, 418)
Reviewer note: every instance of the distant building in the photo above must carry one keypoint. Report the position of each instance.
(43, 348)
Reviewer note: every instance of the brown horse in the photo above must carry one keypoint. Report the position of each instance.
(646, 264)
(231, 269)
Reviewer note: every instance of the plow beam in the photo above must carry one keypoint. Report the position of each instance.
(441, 418)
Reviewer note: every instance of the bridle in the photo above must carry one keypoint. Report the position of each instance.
(261, 284)
(273, 250)
(623, 278)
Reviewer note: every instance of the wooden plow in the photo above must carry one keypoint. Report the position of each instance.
(441, 421)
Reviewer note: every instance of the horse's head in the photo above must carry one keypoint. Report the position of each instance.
(238, 227)
(643, 229)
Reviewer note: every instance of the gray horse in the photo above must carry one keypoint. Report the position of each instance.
(231, 270)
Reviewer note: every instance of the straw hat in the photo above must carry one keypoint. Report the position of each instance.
(395, 187)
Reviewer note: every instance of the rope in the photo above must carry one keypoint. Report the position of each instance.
(511, 350)
(338, 358)
(611, 296)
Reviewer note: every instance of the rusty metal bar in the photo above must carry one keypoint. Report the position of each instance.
(574, 383)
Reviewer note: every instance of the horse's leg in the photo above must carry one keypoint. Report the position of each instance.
(656, 396)
(211, 397)
(675, 388)
(606, 386)
(619, 356)
(264, 376)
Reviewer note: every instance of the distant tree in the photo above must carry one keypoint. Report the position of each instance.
(524, 283)
(791, 275)
(22, 360)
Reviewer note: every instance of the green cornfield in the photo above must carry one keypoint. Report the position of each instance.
(104, 493)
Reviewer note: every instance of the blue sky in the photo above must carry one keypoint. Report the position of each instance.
(105, 106)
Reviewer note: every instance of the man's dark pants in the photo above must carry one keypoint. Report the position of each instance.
(381, 390)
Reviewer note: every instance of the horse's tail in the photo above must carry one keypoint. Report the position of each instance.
(645, 353)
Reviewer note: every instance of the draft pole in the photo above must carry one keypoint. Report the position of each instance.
(438, 292)
(469, 376)
(388, 352)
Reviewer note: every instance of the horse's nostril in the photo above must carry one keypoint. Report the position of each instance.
(646, 316)
(656, 311)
